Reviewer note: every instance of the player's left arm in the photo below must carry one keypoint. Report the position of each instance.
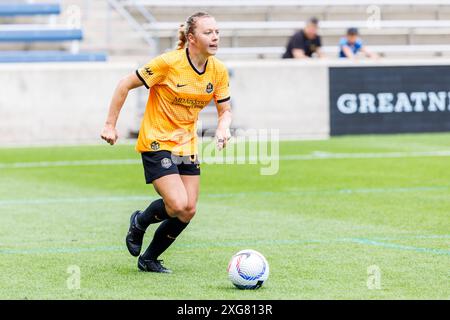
(320, 53)
(224, 123)
(222, 101)
(368, 53)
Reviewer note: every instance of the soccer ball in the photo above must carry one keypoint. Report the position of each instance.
(248, 269)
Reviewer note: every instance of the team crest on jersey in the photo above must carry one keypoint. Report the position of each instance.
(155, 145)
(166, 163)
(148, 71)
(209, 88)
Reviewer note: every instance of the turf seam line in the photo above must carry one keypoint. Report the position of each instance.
(49, 201)
(362, 241)
(398, 246)
(287, 157)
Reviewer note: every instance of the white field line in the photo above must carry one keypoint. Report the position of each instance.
(230, 160)
(139, 198)
(234, 243)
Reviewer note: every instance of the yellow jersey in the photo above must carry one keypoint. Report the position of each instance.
(178, 92)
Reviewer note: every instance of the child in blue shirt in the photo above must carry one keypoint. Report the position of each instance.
(351, 45)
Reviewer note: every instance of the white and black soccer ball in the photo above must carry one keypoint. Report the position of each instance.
(248, 269)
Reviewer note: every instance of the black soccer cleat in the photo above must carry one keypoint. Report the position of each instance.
(134, 237)
(152, 266)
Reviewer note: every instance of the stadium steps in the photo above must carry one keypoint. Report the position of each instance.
(105, 30)
(329, 11)
(123, 40)
(277, 33)
(344, 11)
(330, 51)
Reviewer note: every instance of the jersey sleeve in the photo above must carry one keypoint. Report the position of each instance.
(153, 72)
(222, 90)
(343, 42)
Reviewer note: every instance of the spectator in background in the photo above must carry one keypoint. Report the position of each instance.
(351, 45)
(304, 43)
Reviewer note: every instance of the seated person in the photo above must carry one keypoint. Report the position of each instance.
(304, 43)
(351, 45)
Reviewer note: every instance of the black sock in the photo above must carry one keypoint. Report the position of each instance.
(164, 236)
(156, 212)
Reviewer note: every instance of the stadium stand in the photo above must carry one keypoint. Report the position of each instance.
(41, 33)
(257, 28)
(249, 28)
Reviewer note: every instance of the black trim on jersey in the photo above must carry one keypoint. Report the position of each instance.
(190, 62)
(223, 100)
(142, 79)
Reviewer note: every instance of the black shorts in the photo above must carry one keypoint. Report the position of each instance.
(162, 163)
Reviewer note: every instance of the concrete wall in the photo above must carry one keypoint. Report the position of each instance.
(68, 103)
(58, 103)
(291, 96)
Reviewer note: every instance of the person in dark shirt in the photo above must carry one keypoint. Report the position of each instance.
(305, 43)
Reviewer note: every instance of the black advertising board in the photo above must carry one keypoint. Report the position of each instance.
(396, 99)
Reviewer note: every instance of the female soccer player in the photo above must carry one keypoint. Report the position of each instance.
(181, 83)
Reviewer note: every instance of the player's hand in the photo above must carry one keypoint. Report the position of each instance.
(109, 134)
(222, 137)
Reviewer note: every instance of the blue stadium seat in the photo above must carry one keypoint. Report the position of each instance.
(41, 33)
(50, 56)
(44, 34)
(27, 9)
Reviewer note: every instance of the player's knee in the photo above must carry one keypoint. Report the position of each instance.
(189, 213)
(176, 207)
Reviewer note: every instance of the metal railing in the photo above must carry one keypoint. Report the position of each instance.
(124, 11)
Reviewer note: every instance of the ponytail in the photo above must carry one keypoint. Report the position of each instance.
(182, 39)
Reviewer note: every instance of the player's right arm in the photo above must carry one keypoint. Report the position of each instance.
(348, 52)
(149, 75)
(298, 53)
(369, 54)
(109, 132)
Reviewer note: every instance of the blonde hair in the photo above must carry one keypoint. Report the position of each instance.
(189, 27)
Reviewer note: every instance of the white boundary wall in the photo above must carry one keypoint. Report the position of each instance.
(60, 103)
(291, 96)
(68, 103)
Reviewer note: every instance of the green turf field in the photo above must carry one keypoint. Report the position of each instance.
(321, 222)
